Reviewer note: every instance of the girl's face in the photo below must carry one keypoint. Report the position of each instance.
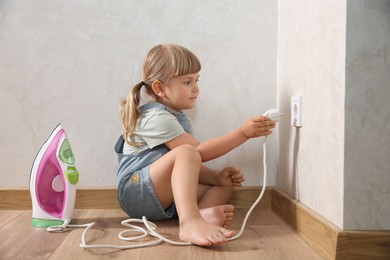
(181, 92)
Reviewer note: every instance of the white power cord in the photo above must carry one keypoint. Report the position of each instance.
(151, 227)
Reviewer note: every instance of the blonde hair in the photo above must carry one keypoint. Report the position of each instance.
(162, 63)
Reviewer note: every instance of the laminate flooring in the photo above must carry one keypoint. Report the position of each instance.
(265, 237)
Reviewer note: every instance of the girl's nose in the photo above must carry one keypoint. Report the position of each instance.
(196, 88)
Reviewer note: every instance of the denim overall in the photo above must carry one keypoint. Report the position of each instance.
(135, 191)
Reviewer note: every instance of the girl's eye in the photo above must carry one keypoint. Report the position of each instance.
(189, 82)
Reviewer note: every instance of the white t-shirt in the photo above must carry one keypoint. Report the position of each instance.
(154, 127)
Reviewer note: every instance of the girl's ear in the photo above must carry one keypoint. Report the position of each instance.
(158, 88)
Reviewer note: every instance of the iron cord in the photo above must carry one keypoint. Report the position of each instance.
(150, 228)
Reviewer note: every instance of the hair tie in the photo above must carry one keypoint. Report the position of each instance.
(142, 82)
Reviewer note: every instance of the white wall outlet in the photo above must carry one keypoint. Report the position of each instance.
(296, 110)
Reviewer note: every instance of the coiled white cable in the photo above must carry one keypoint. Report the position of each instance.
(151, 227)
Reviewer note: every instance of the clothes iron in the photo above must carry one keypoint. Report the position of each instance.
(53, 180)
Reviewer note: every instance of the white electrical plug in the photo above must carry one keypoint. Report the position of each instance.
(273, 114)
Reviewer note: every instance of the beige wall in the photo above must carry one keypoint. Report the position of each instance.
(71, 62)
(311, 62)
(337, 56)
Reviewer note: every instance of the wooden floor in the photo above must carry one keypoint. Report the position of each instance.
(265, 237)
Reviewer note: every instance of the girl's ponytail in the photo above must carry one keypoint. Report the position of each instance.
(129, 112)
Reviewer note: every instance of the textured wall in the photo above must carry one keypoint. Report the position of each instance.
(311, 62)
(71, 62)
(367, 116)
(337, 55)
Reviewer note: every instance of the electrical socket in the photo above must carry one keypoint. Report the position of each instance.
(296, 110)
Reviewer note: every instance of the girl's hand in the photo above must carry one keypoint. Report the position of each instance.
(257, 126)
(232, 175)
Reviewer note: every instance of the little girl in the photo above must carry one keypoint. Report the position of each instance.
(160, 172)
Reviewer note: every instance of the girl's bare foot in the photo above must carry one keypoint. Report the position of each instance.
(219, 215)
(199, 232)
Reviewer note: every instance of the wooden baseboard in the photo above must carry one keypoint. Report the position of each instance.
(105, 198)
(15, 199)
(325, 238)
(363, 245)
(90, 198)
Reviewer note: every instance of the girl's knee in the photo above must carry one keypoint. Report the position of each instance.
(188, 151)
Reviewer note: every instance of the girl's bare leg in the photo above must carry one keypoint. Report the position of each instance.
(176, 175)
(212, 199)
